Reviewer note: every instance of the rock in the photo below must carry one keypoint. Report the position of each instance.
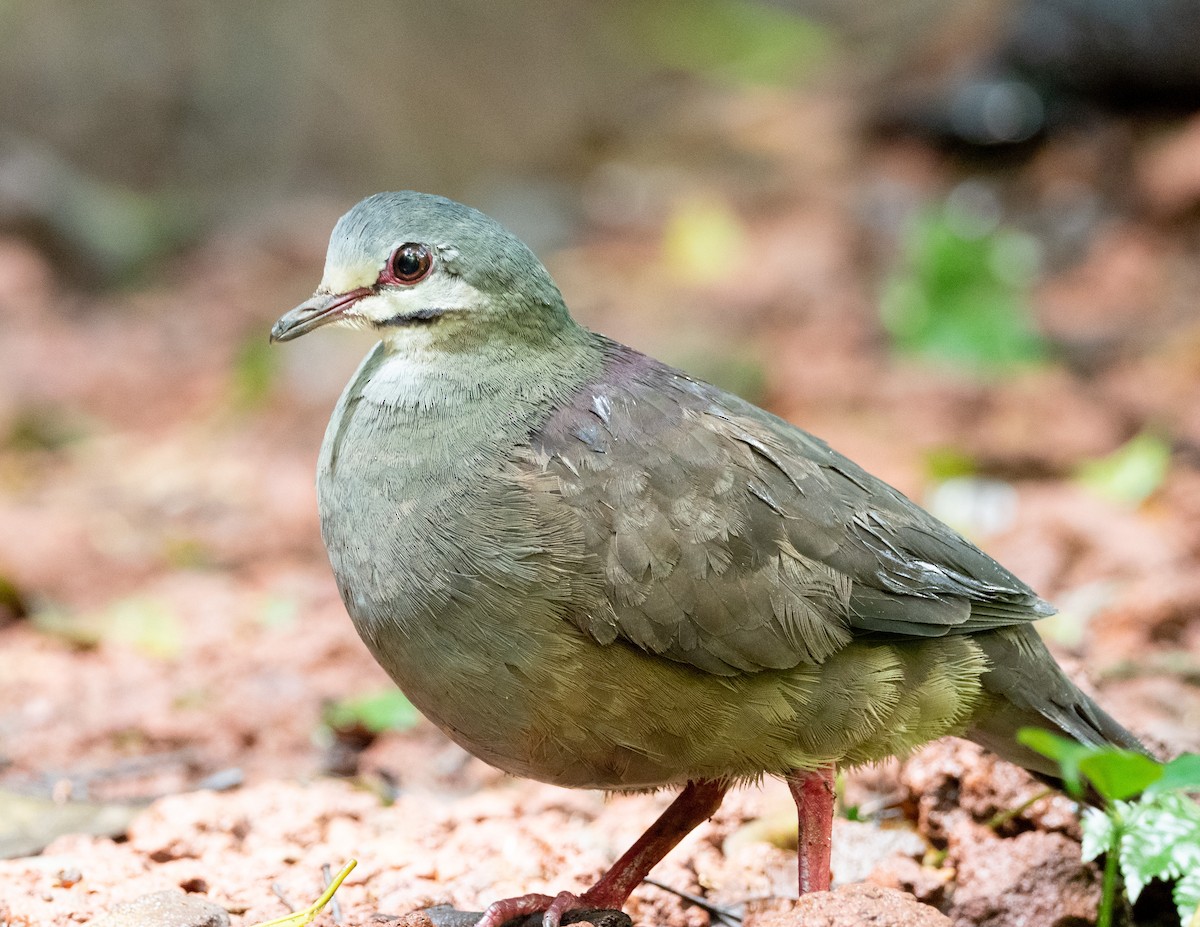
(904, 874)
(934, 776)
(851, 906)
(958, 788)
(1034, 878)
(860, 846)
(164, 909)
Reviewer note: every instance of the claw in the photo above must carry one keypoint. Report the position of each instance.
(554, 908)
(697, 802)
(562, 903)
(501, 912)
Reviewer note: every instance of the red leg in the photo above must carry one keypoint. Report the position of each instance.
(813, 793)
(696, 803)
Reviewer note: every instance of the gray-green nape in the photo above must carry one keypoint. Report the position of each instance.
(484, 253)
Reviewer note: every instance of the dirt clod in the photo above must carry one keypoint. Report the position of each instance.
(1034, 878)
(852, 906)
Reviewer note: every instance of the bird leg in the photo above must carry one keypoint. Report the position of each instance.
(696, 803)
(812, 791)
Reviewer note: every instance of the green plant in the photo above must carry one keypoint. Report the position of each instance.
(1130, 474)
(960, 294)
(146, 623)
(306, 916)
(387, 710)
(1153, 836)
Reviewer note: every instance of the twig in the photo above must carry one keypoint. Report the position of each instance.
(1000, 818)
(277, 891)
(335, 908)
(723, 914)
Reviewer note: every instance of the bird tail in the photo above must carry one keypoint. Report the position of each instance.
(1026, 688)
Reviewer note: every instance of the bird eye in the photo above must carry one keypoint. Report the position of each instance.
(409, 264)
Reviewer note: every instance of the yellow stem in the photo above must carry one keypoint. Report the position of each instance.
(308, 915)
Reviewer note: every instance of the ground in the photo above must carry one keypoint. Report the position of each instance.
(168, 624)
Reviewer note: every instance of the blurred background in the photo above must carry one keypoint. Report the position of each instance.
(958, 240)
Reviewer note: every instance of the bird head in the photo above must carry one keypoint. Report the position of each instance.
(415, 266)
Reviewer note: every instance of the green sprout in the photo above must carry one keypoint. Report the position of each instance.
(306, 916)
(1155, 835)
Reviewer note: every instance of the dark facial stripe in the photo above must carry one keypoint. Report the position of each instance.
(420, 317)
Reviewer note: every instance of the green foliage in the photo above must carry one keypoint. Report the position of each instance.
(1114, 773)
(1182, 774)
(1161, 840)
(1131, 473)
(142, 622)
(947, 463)
(733, 41)
(1119, 774)
(1156, 836)
(387, 710)
(961, 295)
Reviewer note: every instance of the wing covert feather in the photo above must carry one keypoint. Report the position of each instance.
(736, 542)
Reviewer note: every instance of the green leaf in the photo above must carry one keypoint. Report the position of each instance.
(1187, 898)
(143, 622)
(1119, 774)
(1155, 837)
(945, 463)
(1067, 753)
(961, 294)
(1051, 746)
(1130, 474)
(1116, 774)
(1100, 833)
(1181, 774)
(387, 710)
(1160, 840)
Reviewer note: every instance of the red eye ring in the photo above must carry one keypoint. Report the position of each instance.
(410, 263)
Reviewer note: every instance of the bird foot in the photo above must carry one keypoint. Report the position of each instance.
(697, 802)
(552, 909)
(507, 909)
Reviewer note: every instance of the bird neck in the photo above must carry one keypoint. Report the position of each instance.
(426, 420)
(428, 371)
